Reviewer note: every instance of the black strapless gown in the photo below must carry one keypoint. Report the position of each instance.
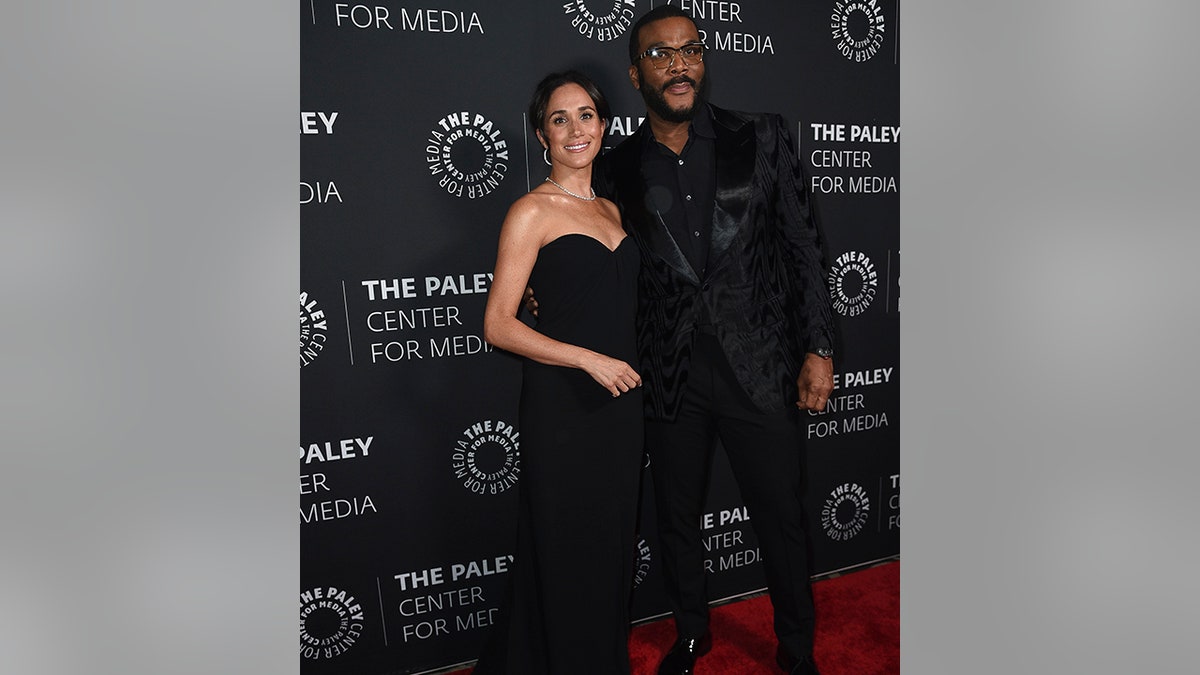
(581, 457)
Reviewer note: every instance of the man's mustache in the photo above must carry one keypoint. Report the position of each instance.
(679, 79)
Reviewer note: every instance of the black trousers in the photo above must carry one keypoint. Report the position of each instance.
(764, 452)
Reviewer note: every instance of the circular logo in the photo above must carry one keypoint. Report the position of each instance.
(857, 28)
(642, 565)
(487, 457)
(845, 511)
(331, 621)
(312, 330)
(853, 283)
(608, 24)
(466, 154)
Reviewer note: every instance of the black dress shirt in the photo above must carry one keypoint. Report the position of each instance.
(682, 188)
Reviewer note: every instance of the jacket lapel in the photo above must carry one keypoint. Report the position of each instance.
(735, 150)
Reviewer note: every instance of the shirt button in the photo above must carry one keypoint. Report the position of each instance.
(696, 233)
(688, 197)
(681, 162)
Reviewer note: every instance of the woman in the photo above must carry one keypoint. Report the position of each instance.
(580, 408)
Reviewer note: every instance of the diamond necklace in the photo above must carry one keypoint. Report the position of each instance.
(586, 199)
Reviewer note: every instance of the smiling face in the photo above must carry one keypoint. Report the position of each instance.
(672, 93)
(573, 130)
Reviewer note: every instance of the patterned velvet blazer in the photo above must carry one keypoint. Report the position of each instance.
(765, 282)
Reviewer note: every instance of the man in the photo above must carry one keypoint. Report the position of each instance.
(735, 330)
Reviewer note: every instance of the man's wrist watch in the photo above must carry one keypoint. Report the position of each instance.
(823, 352)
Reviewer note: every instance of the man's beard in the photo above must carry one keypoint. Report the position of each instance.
(657, 102)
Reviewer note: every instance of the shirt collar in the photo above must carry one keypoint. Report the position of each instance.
(702, 122)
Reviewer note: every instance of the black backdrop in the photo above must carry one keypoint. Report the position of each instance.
(413, 144)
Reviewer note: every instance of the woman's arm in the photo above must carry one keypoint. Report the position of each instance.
(521, 237)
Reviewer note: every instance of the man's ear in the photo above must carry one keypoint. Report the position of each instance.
(635, 77)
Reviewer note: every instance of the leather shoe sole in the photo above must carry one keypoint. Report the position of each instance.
(681, 659)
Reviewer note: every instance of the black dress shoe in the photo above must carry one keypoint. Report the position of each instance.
(792, 665)
(681, 660)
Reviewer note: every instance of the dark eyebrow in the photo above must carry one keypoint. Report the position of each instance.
(563, 112)
(661, 43)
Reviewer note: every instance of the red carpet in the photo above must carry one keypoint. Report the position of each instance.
(858, 630)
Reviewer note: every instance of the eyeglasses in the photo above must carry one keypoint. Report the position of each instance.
(664, 57)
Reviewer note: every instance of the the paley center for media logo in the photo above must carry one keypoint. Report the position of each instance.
(313, 327)
(858, 28)
(487, 457)
(331, 622)
(853, 283)
(845, 511)
(466, 154)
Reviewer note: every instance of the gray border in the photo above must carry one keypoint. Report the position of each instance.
(1049, 237)
(149, 270)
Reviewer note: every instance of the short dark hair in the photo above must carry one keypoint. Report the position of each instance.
(551, 82)
(656, 14)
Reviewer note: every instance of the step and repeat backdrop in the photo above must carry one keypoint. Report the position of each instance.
(413, 145)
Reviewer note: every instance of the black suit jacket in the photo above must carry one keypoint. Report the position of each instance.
(765, 284)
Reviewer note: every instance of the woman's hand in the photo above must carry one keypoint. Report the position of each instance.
(613, 374)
